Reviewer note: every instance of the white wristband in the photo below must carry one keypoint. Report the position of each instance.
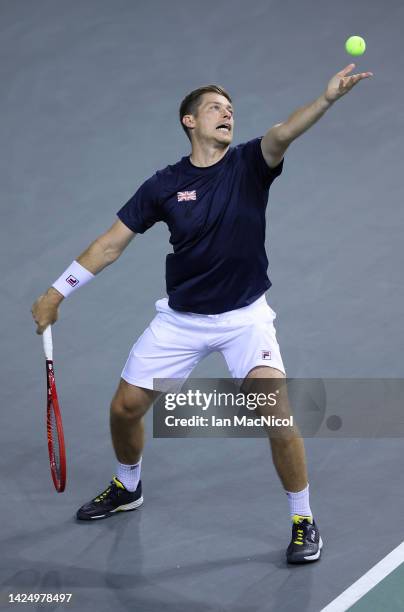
(74, 277)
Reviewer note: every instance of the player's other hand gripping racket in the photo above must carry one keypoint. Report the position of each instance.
(54, 427)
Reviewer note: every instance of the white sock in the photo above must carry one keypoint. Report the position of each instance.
(129, 475)
(299, 502)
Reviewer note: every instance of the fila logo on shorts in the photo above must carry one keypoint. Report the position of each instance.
(265, 354)
(72, 280)
(185, 196)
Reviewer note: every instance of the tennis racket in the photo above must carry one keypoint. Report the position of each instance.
(54, 427)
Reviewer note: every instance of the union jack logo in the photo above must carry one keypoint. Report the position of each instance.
(185, 196)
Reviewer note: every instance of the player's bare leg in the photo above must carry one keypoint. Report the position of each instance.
(290, 463)
(286, 443)
(128, 407)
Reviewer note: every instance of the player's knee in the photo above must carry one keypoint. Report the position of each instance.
(127, 410)
(130, 401)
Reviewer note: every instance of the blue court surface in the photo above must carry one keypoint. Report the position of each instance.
(89, 110)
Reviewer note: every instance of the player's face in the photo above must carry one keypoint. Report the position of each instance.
(214, 119)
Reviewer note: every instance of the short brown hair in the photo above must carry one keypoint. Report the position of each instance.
(193, 100)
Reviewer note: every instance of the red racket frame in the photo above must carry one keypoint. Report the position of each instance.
(53, 405)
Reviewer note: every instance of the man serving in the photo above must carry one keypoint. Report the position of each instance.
(214, 204)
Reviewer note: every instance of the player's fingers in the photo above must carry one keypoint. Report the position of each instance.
(34, 311)
(351, 82)
(362, 75)
(41, 326)
(355, 79)
(347, 69)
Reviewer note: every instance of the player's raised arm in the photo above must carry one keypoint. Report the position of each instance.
(101, 253)
(279, 137)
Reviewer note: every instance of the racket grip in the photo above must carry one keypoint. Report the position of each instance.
(47, 343)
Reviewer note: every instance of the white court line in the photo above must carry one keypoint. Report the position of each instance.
(369, 580)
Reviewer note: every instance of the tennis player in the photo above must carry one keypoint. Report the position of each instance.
(214, 203)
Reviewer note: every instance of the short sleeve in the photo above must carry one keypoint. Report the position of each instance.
(143, 209)
(256, 164)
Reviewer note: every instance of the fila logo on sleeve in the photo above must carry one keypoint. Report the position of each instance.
(72, 280)
(185, 196)
(266, 355)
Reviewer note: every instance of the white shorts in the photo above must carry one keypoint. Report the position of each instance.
(175, 342)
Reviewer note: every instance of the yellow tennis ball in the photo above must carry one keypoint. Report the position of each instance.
(355, 45)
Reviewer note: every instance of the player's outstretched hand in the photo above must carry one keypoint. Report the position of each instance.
(45, 310)
(341, 83)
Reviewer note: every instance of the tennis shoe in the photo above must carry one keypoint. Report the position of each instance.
(115, 498)
(306, 543)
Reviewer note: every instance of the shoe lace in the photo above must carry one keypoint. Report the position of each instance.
(104, 494)
(299, 536)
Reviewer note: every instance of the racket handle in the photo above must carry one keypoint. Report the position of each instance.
(47, 343)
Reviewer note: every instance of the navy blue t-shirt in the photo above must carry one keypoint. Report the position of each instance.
(216, 218)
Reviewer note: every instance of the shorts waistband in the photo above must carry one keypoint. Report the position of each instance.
(162, 305)
(255, 304)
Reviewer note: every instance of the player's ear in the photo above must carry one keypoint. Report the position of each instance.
(188, 121)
